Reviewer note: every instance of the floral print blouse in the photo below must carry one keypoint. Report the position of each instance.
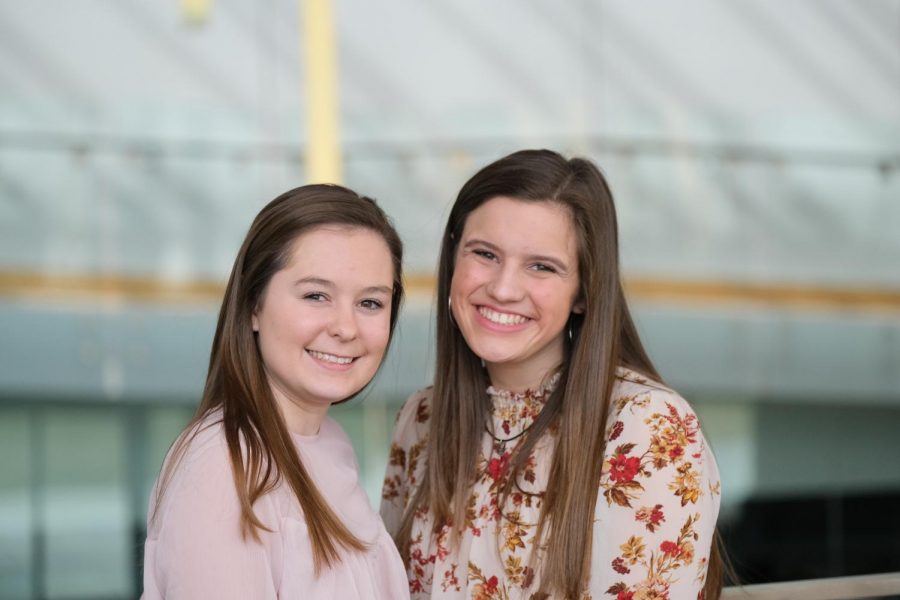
(653, 522)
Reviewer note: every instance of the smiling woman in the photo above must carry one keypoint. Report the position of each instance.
(324, 321)
(259, 497)
(548, 459)
(513, 294)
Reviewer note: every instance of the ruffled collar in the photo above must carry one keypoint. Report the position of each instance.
(508, 397)
(513, 412)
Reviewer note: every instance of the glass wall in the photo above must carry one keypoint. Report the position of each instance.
(753, 148)
(74, 494)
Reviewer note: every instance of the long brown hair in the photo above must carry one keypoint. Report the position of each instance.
(259, 444)
(604, 337)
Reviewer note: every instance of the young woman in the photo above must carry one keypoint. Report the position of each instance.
(548, 459)
(259, 497)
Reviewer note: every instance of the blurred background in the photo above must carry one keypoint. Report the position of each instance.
(753, 148)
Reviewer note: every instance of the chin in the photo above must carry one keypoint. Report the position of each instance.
(334, 394)
(493, 355)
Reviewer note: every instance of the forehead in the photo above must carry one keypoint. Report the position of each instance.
(343, 253)
(526, 226)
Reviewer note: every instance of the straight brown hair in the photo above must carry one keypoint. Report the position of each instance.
(260, 447)
(604, 337)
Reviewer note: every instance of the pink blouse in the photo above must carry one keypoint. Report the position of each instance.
(194, 547)
(653, 523)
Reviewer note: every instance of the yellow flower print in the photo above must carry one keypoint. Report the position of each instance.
(633, 549)
(686, 484)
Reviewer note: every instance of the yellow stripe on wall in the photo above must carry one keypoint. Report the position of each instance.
(103, 289)
(683, 292)
(810, 297)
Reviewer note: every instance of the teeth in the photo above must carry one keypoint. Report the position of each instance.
(340, 360)
(501, 318)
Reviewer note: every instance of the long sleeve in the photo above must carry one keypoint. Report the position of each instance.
(658, 501)
(195, 550)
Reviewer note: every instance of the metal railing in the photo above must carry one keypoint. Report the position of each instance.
(837, 588)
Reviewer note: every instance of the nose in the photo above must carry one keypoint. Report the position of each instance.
(506, 285)
(343, 324)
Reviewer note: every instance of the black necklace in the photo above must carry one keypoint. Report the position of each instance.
(503, 442)
(545, 389)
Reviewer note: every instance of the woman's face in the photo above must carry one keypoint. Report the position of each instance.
(515, 284)
(323, 322)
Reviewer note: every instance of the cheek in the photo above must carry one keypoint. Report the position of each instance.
(284, 327)
(277, 315)
(466, 278)
(554, 300)
(377, 334)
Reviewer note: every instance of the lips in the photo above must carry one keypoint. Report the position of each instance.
(331, 358)
(502, 318)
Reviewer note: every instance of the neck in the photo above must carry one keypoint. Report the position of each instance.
(528, 374)
(517, 379)
(300, 417)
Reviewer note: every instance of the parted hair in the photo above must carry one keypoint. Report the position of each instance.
(260, 447)
(604, 337)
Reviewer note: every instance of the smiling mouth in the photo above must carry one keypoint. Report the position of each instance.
(501, 318)
(331, 358)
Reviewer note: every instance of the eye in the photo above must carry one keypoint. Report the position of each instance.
(315, 296)
(543, 268)
(487, 254)
(372, 304)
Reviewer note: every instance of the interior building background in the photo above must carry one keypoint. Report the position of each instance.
(753, 148)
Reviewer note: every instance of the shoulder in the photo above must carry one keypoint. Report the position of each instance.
(414, 416)
(646, 413)
(203, 445)
(638, 396)
(655, 428)
(655, 453)
(411, 432)
(196, 473)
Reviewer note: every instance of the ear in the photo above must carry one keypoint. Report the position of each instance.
(254, 321)
(578, 307)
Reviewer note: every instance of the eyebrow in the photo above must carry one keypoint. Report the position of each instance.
(378, 289)
(538, 257)
(372, 289)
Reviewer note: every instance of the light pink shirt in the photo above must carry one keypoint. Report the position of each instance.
(194, 548)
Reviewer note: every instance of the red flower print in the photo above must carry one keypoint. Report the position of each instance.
(490, 586)
(625, 595)
(497, 466)
(651, 516)
(670, 548)
(617, 430)
(450, 579)
(618, 566)
(624, 468)
(675, 452)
